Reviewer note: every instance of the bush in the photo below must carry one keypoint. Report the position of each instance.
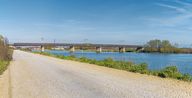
(72, 57)
(153, 72)
(186, 77)
(3, 66)
(141, 68)
(108, 62)
(83, 59)
(171, 72)
(5, 54)
(93, 61)
(163, 74)
(4, 49)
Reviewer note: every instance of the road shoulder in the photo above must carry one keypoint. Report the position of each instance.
(5, 84)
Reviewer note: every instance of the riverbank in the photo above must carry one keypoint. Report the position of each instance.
(167, 72)
(39, 76)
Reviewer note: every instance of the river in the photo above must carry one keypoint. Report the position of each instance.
(155, 61)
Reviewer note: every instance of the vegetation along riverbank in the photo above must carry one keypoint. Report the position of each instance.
(5, 54)
(167, 72)
(164, 46)
(152, 46)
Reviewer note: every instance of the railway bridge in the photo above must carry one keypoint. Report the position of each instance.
(73, 46)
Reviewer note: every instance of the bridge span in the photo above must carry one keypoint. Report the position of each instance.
(73, 46)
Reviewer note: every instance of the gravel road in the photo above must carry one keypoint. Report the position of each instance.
(37, 76)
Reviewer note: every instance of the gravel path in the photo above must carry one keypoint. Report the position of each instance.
(37, 76)
(5, 85)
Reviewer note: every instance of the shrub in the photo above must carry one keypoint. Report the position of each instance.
(154, 72)
(108, 62)
(72, 57)
(171, 72)
(5, 54)
(60, 56)
(83, 59)
(141, 68)
(186, 77)
(3, 66)
(126, 65)
(92, 61)
(163, 74)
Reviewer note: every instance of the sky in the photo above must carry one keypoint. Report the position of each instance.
(96, 21)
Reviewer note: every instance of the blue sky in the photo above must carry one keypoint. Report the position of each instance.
(96, 21)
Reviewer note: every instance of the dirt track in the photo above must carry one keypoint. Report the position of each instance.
(37, 76)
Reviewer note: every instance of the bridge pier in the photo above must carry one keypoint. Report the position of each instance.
(121, 49)
(42, 48)
(98, 49)
(139, 49)
(72, 48)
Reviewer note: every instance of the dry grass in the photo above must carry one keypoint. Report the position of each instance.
(5, 54)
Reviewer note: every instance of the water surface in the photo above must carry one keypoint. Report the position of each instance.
(154, 60)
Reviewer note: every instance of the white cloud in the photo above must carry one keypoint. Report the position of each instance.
(181, 19)
(178, 9)
(183, 3)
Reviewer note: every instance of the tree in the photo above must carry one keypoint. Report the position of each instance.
(153, 45)
(163, 46)
(4, 53)
(166, 44)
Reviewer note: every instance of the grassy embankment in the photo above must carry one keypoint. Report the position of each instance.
(168, 72)
(5, 54)
(3, 66)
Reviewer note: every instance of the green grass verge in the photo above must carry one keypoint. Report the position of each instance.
(167, 72)
(5, 62)
(3, 66)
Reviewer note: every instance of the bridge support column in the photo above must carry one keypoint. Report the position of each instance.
(98, 49)
(63, 48)
(122, 49)
(42, 48)
(139, 49)
(72, 48)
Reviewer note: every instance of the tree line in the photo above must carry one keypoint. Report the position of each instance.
(161, 46)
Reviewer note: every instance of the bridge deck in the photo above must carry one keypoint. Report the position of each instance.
(77, 44)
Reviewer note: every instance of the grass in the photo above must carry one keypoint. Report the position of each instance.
(5, 54)
(167, 72)
(3, 66)
(5, 62)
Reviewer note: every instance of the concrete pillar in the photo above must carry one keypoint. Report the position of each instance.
(98, 49)
(63, 48)
(42, 48)
(72, 48)
(139, 49)
(122, 49)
